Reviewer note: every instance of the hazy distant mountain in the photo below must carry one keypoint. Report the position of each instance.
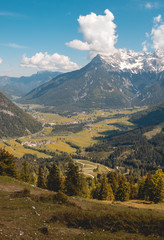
(123, 79)
(12, 86)
(14, 122)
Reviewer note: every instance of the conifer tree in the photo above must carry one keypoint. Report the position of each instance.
(113, 180)
(7, 165)
(106, 192)
(122, 193)
(53, 179)
(72, 180)
(148, 187)
(25, 173)
(40, 182)
(158, 186)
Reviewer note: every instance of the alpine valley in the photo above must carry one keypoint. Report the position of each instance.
(124, 79)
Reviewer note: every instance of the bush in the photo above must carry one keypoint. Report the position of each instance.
(60, 197)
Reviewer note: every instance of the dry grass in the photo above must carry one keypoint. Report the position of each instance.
(30, 218)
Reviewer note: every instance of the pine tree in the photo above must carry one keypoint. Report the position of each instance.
(40, 182)
(122, 193)
(72, 180)
(158, 186)
(113, 180)
(53, 179)
(141, 192)
(148, 187)
(106, 192)
(7, 165)
(25, 173)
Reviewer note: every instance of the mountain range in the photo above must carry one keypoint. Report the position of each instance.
(123, 79)
(19, 86)
(14, 122)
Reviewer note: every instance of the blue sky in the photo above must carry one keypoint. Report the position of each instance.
(34, 33)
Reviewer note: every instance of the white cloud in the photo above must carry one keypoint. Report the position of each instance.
(151, 5)
(1, 60)
(11, 14)
(13, 45)
(157, 36)
(155, 39)
(158, 19)
(148, 5)
(144, 44)
(44, 61)
(98, 32)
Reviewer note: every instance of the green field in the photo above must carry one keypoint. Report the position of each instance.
(95, 123)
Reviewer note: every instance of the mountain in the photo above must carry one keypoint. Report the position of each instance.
(120, 80)
(12, 86)
(14, 122)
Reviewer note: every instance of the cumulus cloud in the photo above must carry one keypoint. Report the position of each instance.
(157, 33)
(1, 60)
(99, 33)
(157, 36)
(158, 19)
(155, 39)
(54, 62)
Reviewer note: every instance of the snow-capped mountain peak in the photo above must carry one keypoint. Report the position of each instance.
(135, 62)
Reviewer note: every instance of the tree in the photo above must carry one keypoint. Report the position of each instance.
(113, 180)
(158, 186)
(40, 182)
(53, 179)
(7, 165)
(105, 190)
(152, 187)
(72, 181)
(122, 193)
(148, 187)
(25, 173)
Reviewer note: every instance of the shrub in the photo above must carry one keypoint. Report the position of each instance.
(60, 197)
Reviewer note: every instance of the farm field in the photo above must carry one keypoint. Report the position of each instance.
(67, 133)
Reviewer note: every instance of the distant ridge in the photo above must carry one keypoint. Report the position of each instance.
(19, 86)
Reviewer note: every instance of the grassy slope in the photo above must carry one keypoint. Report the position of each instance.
(21, 218)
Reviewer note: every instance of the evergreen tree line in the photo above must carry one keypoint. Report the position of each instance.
(72, 182)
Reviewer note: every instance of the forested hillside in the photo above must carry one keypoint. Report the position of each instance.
(138, 150)
(14, 122)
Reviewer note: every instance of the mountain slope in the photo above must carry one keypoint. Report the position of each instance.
(11, 86)
(151, 116)
(14, 122)
(120, 80)
(90, 87)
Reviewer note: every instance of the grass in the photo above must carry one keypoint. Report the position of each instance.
(36, 216)
(91, 169)
(149, 135)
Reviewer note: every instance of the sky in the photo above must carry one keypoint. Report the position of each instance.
(64, 35)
